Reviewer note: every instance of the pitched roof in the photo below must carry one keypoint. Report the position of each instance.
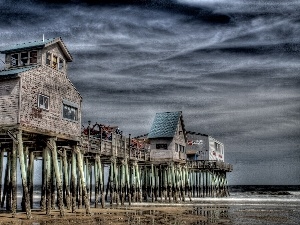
(38, 45)
(164, 125)
(4, 74)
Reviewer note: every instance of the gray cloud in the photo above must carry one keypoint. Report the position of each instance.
(237, 81)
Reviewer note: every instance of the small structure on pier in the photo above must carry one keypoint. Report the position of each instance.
(203, 147)
(167, 138)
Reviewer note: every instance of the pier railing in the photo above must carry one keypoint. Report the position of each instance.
(213, 164)
(117, 146)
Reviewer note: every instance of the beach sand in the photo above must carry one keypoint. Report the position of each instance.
(143, 214)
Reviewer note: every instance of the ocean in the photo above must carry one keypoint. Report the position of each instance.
(247, 204)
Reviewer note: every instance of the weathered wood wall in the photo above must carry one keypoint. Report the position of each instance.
(9, 101)
(56, 85)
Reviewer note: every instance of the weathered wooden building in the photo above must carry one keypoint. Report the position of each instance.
(36, 94)
(203, 147)
(167, 138)
(40, 111)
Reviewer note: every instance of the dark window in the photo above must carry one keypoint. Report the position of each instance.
(61, 64)
(14, 60)
(182, 148)
(24, 58)
(43, 101)
(161, 146)
(218, 147)
(33, 57)
(48, 58)
(70, 112)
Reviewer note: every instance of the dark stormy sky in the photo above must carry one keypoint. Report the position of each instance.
(232, 67)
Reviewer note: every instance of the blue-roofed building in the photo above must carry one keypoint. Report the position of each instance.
(36, 94)
(167, 137)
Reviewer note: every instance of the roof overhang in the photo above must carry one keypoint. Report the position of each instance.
(38, 45)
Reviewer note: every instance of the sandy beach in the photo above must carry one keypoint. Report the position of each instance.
(272, 211)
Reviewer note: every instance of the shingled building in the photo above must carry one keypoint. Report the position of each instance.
(36, 94)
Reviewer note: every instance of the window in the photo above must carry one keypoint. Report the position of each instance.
(33, 57)
(70, 112)
(48, 58)
(182, 148)
(43, 101)
(14, 60)
(61, 64)
(24, 58)
(179, 148)
(218, 147)
(161, 146)
(54, 62)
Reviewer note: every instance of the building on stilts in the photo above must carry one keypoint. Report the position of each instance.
(40, 119)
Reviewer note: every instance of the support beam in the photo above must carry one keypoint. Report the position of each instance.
(82, 178)
(23, 175)
(13, 172)
(73, 182)
(66, 178)
(51, 144)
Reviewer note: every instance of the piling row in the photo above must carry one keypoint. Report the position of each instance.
(74, 177)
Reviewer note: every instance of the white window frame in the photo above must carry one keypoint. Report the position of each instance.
(45, 101)
(17, 59)
(71, 106)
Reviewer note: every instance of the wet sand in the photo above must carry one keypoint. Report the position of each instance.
(205, 213)
(119, 216)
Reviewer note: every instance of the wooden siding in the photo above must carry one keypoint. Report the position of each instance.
(180, 140)
(170, 153)
(9, 101)
(199, 145)
(213, 153)
(56, 85)
(56, 50)
(161, 154)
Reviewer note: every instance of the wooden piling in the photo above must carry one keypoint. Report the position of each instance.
(96, 177)
(44, 181)
(8, 183)
(66, 179)
(82, 178)
(73, 181)
(30, 174)
(24, 175)
(13, 172)
(1, 170)
(48, 181)
(52, 145)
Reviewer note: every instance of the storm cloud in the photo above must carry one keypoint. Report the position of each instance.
(231, 67)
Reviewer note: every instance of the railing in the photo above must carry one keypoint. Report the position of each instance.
(207, 164)
(117, 146)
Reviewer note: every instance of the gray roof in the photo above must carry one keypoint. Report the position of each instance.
(164, 125)
(4, 74)
(23, 46)
(37, 45)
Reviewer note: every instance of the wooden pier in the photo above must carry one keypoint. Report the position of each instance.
(68, 167)
(40, 120)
